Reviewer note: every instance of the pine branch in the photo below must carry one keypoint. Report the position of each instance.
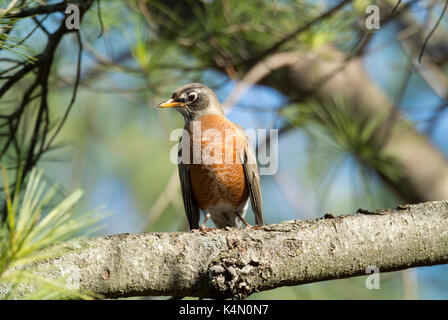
(235, 263)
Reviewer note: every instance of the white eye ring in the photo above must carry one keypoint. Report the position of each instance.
(192, 96)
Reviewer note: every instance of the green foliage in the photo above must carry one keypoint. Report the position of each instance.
(342, 134)
(28, 233)
(230, 33)
(9, 43)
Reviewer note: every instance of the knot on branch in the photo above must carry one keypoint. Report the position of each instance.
(235, 273)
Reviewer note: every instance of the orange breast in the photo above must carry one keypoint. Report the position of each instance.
(220, 175)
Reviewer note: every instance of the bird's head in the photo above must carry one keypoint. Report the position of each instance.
(193, 101)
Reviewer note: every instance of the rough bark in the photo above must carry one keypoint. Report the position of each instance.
(235, 263)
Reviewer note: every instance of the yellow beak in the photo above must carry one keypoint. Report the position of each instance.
(170, 103)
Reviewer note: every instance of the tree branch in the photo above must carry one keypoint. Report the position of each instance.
(42, 63)
(235, 263)
(350, 81)
(41, 9)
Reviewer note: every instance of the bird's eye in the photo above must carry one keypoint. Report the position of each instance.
(192, 96)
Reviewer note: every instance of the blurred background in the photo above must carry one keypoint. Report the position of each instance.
(362, 120)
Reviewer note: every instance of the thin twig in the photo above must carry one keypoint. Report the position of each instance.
(75, 91)
(100, 20)
(432, 31)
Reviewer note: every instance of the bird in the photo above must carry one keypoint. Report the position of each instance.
(217, 176)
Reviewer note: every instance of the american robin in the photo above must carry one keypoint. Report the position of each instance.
(217, 175)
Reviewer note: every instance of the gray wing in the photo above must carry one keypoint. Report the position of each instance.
(191, 208)
(253, 179)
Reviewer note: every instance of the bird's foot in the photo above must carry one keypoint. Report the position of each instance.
(248, 226)
(202, 229)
